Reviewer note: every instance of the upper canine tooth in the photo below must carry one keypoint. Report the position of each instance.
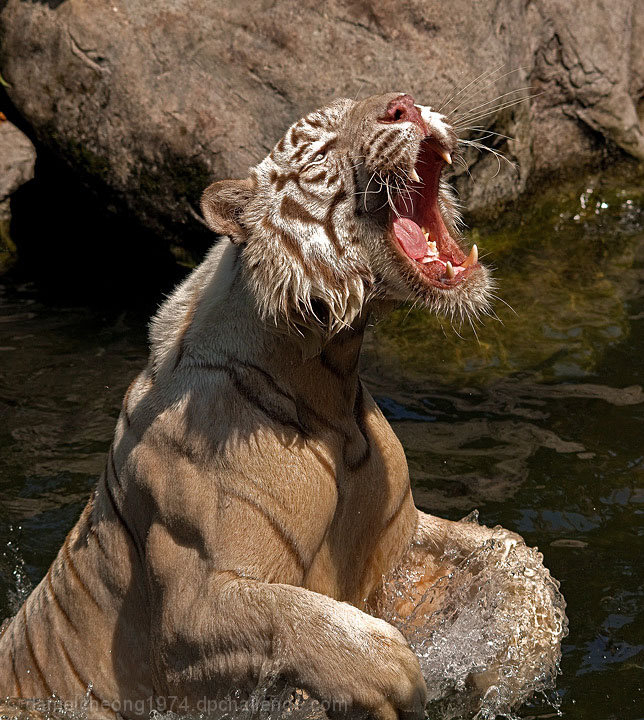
(449, 270)
(446, 156)
(472, 258)
(414, 175)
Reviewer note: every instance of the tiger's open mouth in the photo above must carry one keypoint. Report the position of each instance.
(418, 225)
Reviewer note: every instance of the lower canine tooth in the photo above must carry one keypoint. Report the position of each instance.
(414, 175)
(449, 270)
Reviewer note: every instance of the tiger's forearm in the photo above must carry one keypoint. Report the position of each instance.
(241, 629)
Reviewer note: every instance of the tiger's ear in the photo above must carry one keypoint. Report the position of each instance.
(223, 204)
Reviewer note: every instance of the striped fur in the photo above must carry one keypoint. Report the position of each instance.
(315, 221)
(254, 495)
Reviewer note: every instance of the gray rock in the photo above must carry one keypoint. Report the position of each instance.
(17, 159)
(150, 101)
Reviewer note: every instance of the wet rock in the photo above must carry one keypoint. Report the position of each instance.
(17, 160)
(151, 101)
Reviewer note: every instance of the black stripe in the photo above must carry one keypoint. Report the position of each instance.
(248, 395)
(339, 373)
(110, 457)
(316, 178)
(126, 398)
(287, 540)
(358, 414)
(328, 145)
(329, 228)
(270, 380)
(382, 531)
(81, 681)
(280, 181)
(291, 243)
(76, 574)
(13, 667)
(315, 122)
(297, 155)
(32, 655)
(269, 412)
(59, 607)
(121, 519)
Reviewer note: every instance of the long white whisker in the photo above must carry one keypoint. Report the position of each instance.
(486, 133)
(474, 109)
(480, 147)
(509, 103)
(485, 87)
(481, 77)
(367, 188)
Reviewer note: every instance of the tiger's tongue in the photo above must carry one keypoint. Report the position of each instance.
(411, 238)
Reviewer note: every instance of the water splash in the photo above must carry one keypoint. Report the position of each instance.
(12, 565)
(487, 634)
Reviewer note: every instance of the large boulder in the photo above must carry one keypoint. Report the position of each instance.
(150, 101)
(17, 161)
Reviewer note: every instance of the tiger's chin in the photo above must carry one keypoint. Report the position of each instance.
(426, 255)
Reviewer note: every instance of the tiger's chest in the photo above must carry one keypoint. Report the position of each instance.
(374, 516)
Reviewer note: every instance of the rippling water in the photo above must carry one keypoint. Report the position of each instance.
(539, 424)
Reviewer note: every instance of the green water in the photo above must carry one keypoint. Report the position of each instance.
(539, 424)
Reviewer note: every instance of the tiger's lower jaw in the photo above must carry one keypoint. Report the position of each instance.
(467, 300)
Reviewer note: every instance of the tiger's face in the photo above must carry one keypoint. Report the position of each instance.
(348, 210)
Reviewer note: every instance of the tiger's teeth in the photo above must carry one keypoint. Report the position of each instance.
(432, 247)
(473, 257)
(414, 175)
(446, 156)
(449, 270)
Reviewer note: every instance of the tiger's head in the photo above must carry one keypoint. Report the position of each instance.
(349, 210)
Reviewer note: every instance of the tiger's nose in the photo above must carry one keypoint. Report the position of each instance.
(403, 109)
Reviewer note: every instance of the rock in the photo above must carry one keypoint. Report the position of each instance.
(17, 161)
(151, 101)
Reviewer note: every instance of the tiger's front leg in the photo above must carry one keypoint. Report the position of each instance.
(227, 631)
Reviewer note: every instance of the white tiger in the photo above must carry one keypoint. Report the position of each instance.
(254, 496)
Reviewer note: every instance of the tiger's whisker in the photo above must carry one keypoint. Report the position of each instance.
(481, 89)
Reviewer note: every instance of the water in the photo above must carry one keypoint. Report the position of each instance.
(488, 633)
(539, 425)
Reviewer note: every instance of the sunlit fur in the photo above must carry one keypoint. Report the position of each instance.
(318, 247)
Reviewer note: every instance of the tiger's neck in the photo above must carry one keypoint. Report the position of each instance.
(327, 380)
(212, 319)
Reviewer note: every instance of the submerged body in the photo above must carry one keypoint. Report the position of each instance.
(254, 493)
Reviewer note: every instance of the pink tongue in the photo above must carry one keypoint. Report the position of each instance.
(411, 237)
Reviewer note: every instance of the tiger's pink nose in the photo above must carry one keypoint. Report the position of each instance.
(403, 109)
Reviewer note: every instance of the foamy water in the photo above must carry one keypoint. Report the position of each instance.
(492, 637)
